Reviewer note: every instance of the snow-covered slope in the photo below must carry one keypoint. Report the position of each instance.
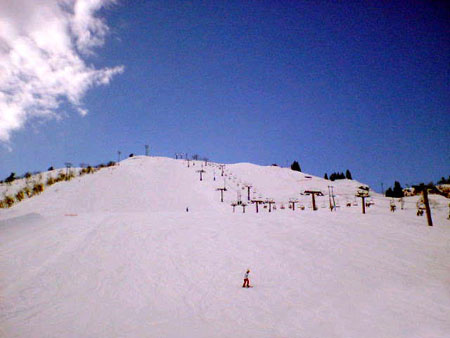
(116, 254)
(137, 184)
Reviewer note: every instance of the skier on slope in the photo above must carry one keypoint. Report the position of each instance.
(246, 281)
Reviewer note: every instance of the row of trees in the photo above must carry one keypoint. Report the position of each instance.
(339, 176)
(443, 180)
(397, 191)
(334, 176)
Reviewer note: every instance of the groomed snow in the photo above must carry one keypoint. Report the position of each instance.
(115, 254)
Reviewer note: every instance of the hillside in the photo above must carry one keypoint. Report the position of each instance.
(116, 254)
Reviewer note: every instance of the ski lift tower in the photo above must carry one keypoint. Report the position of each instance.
(68, 166)
(201, 171)
(363, 193)
(331, 198)
(257, 202)
(292, 202)
(270, 201)
(221, 192)
(424, 189)
(248, 186)
(313, 194)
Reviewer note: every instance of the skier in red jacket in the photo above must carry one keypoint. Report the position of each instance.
(246, 281)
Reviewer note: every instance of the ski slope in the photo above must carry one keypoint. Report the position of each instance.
(115, 254)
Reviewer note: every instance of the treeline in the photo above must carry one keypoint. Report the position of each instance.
(398, 191)
(339, 176)
(443, 180)
(85, 169)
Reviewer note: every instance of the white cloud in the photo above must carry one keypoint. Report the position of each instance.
(42, 45)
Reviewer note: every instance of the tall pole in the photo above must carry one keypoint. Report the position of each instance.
(221, 193)
(248, 191)
(146, 149)
(293, 204)
(332, 197)
(68, 165)
(314, 201)
(118, 156)
(427, 206)
(329, 198)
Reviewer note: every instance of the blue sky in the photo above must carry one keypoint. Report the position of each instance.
(358, 86)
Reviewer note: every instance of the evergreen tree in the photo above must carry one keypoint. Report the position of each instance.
(10, 178)
(348, 175)
(325, 176)
(295, 166)
(398, 190)
(389, 192)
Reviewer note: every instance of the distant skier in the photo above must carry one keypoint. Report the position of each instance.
(187, 209)
(393, 207)
(246, 280)
(402, 203)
